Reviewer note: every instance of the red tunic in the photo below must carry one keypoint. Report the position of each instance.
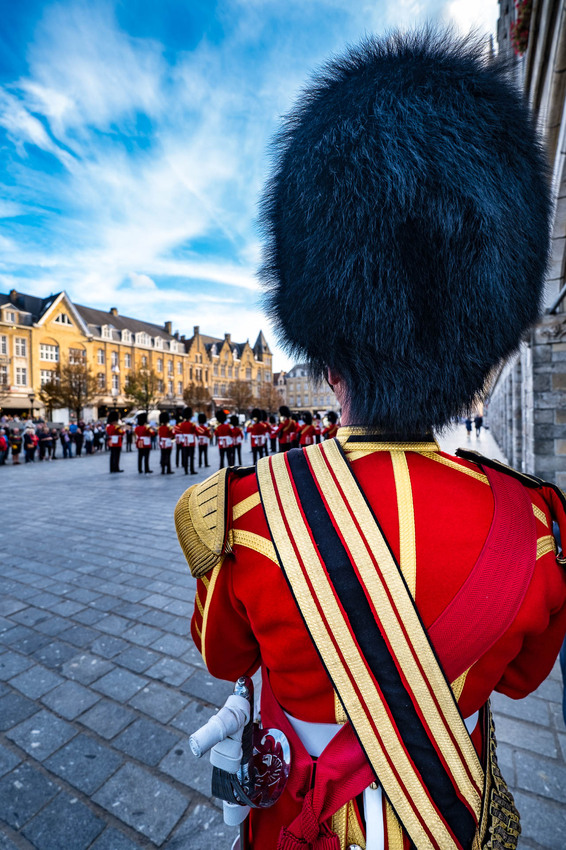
(224, 436)
(203, 435)
(286, 431)
(257, 430)
(250, 615)
(329, 432)
(237, 435)
(115, 434)
(165, 435)
(187, 431)
(307, 435)
(143, 436)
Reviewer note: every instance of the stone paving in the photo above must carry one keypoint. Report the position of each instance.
(100, 685)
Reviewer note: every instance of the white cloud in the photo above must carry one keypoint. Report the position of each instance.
(142, 281)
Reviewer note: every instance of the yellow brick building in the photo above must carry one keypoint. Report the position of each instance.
(37, 334)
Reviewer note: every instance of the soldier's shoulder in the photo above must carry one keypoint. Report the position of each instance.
(202, 518)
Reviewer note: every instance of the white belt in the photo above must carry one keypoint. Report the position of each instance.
(316, 736)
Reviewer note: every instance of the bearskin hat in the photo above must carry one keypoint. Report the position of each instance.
(406, 225)
(284, 411)
(187, 413)
(256, 413)
(220, 416)
(163, 417)
(202, 418)
(234, 420)
(141, 418)
(113, 416)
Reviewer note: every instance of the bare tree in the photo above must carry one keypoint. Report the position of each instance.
(240, 395)
(142, 387)
(197, 397)
(269, 399)
(50, 395)
(77, 386)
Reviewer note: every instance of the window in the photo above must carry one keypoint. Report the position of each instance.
(223, 371)
(114, 359)
(10, 316)
(3, 376)
(169, 367)
(248, 374)
(101, 380)
(63, 319)
(179, 388)
(144, 361)
(170, 386)
(160, 364)
(128, 361)
(215, 392)
(215, 370)
(21, 376)
(179, 368)
(100, 359)
(46, 376)
(3, 344)
(229, 371)
(206, 376)
(115, 383)
(77, 355)
(143, 339)
(126, 336)
(198, 374)
(106, 332)
(160, 386)
(158, 342)
(21, 346)
(223, 389)
(267, 376)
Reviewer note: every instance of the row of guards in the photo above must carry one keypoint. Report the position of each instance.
(187, 435)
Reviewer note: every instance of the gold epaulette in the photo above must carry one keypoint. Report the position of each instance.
(201, 522)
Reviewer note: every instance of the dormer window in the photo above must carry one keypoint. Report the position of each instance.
(126, 336)
(106, 332)
(158, 342)
(10, 316)
(63, 319)
(143, 339)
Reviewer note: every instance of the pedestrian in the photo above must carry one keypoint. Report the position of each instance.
(45, 443)
(65, 438)
(143, 433)
(478, 422)
(203, 437)
(165, 436)
(30, 443)
(15, 445)
(468, 424)
(384, 588)
(89, 439)
(79, 439)
(115, 435)
(129, 437)
(237, 439)
(53, 446)
(3, 446)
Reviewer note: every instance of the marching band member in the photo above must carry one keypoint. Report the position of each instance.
(143, 433)
(318, 427)
(237, 439)
(273, 427)
(188, 433)
(385, 588)
(165, 435)
(114, 433)
(266, 431)
(286, 429)
(203, 437)
(332, 428)
(224, 439)
(179, 439)
(307, 432)
(257, 435)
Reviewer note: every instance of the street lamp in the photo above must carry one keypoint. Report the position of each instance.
(31, 401)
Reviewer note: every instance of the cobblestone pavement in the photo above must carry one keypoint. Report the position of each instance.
(100, 685)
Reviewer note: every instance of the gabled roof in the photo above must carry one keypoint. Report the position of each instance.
(261, 347)
(98, 318)
(31, 304)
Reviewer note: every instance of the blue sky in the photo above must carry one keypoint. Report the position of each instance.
(133, 142)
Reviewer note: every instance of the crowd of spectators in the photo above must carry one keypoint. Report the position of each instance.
(28, 441)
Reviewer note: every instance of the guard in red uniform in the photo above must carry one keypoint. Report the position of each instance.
(203, 437)
(287, 429)
(237, 439)
(257, 435)
(332, 428)
(114, 433)
(165, 435)
(188, 433)
(224, 439)
(143, 433)
(307, 432)
(385, 588)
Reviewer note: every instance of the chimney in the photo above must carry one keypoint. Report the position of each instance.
(114, 311)
(183, 337)
(168, 328)
(196, 330)
(13, 296)
(228, 338)
(176, 335)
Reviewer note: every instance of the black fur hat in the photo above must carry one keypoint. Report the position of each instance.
(407, 226)
(141, 418)
(221, 416)
(163, 417)
(256, 413)
(234, 420)
(202, 418)
(284, 411)
(307, 418)
(113, 416)
(187, 413)
(332, 417)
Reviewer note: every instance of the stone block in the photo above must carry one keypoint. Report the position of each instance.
(112, 624)
(561, 447)
(526, 735)
(86, 668)
(205, 687)
(15, 708)
(120, 684)
(70, 699)
(542, 382)
(560, 416)
(206, 822)
(67, 608)
(23, 792)
(108, 646)
(159, 702)
(66, 822)
(55, 655)
(41, 734)
(142, 634)
(143, 801)
(9, 605)
(170, 670)
(531, 709)
(79, 636)
(8, 760)
(30, 616)
(54, 625)
(136, 658)
(558, 382)
(11, 664)
(541, 776)
(31, 643)
(542, 821)
(192, 717)
(558, 346)
(550, 689)
(107, 719)
(146, 741)
(112, 839)
(172, 645)
(84, 763)
(36, 681)
(180, 764)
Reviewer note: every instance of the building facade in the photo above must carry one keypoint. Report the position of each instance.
(527, 407)
(38, 335)
(304, 394)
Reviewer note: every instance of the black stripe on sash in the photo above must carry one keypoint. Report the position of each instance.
(377, 655)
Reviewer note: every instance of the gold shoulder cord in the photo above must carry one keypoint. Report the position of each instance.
(200, 520)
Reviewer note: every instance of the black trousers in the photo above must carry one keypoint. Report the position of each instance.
(285, 447)
(178, 453)
(273, 444)
(202, 455)
(115, 458)
(225, 455)
(165, 460)
(237, 452)
(189, 459)
(143, 458)
(256, 454)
